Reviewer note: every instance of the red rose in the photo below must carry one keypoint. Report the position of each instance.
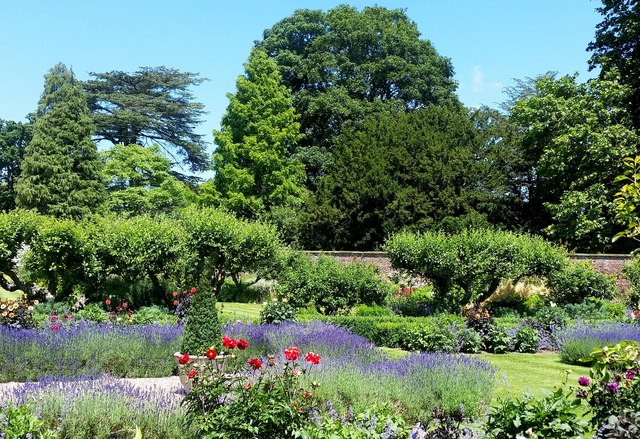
(175, 294)
(192, 373)
(255, 363)
(242, 344)
(312, 358)
(107, 302)
(175, 303)
(55, 327)
(193, 291)
(125, 304)
(229, 342)
(212, 354)
(184, 359)
(291, 353)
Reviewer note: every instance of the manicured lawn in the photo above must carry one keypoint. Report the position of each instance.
(532, 372)
(240, 311)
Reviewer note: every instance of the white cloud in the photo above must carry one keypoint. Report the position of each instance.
(478, 84)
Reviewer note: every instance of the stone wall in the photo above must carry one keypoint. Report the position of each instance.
(604, 263)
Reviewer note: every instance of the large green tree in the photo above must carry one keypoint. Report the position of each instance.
(139, 181)
(253, 171)
(153, 105)
(617, 46)
(576, 136)
(343, 65)
(60, 172)
(415, 170)
(14, 137)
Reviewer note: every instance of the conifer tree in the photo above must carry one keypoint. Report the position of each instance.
(253, 173)
(60, 171)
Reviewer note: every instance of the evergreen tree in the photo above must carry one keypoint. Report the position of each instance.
(253, 173)
(60, 171)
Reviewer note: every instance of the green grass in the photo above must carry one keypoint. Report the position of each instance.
(531, 372)
(240, 311)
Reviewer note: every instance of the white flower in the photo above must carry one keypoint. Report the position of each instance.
(552, 304)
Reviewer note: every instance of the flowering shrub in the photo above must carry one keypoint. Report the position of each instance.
(17, 313)
(277, 311)
(181, 302)
(252, 398)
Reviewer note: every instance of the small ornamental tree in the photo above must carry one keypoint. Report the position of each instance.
(202, 329)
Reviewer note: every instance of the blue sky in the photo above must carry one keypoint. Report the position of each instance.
(489, 42)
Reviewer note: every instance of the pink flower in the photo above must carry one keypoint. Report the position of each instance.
(107, 302)
(55, 327)
(584, 381)
(53, 318)
(631, 374)
(612, 387)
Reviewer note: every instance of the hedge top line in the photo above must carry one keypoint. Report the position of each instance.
(380, 254)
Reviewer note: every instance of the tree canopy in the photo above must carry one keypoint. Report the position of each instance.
(14, 137)
(60, 171)
(343, 65)
(152, 105)
(253, 170)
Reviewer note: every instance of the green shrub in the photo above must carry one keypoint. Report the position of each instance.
(20, 422)
(470, 266)
(372, 310)
(469, 341)
(526, 340)
(332, 287)
(553, 415)
(497, 340)
(574, 282)
(623, 425)
(437, 338)
(594, 309)
(277, 312)
(376, 423)
(93, 313)
(631, 272)
(575, 350)
(202, 329)
(417, 304)
(153, 314)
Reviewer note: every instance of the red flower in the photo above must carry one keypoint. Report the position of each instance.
(295, 372)
(55, 327)
(184, 359)
(192, 373)
(212, 354)
(107, 302)
(117, 308)
(175, 294)
(291, 353)
(53, 318)
(242, 344)
(312, 358)
(229, 342)
(125, 304)
(255, 363)
(175, 303)
(306, 394)
(193, 291)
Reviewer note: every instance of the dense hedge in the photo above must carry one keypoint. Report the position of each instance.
(136, 258)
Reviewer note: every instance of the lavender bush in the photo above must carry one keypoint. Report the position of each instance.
(65, 350)
(354, 373)
(578, 342)
(101, 408)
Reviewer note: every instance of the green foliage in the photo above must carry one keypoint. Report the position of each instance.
(202, 329)
(331, 286)
(470, 341)
(277, 312)
(416, 170)
(574, 282)
(497, 340)
(60, 171)
(139, 181)
(624, 425)
(218, 245)
(576, 137)
(372, 310)
(526, 340)
(153, 104)
(434, 339)
(616, 46)
(344, 64)
(260, 127)
(578, 350)
(469, 266)
(92, 312)
(418, 303)
(153, 314)
(554, 415)
(631, 271)
(17, 229)
(14, 137)
(20, 422)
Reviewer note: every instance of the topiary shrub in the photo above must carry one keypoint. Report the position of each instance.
(202, 329)
(574, 282)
